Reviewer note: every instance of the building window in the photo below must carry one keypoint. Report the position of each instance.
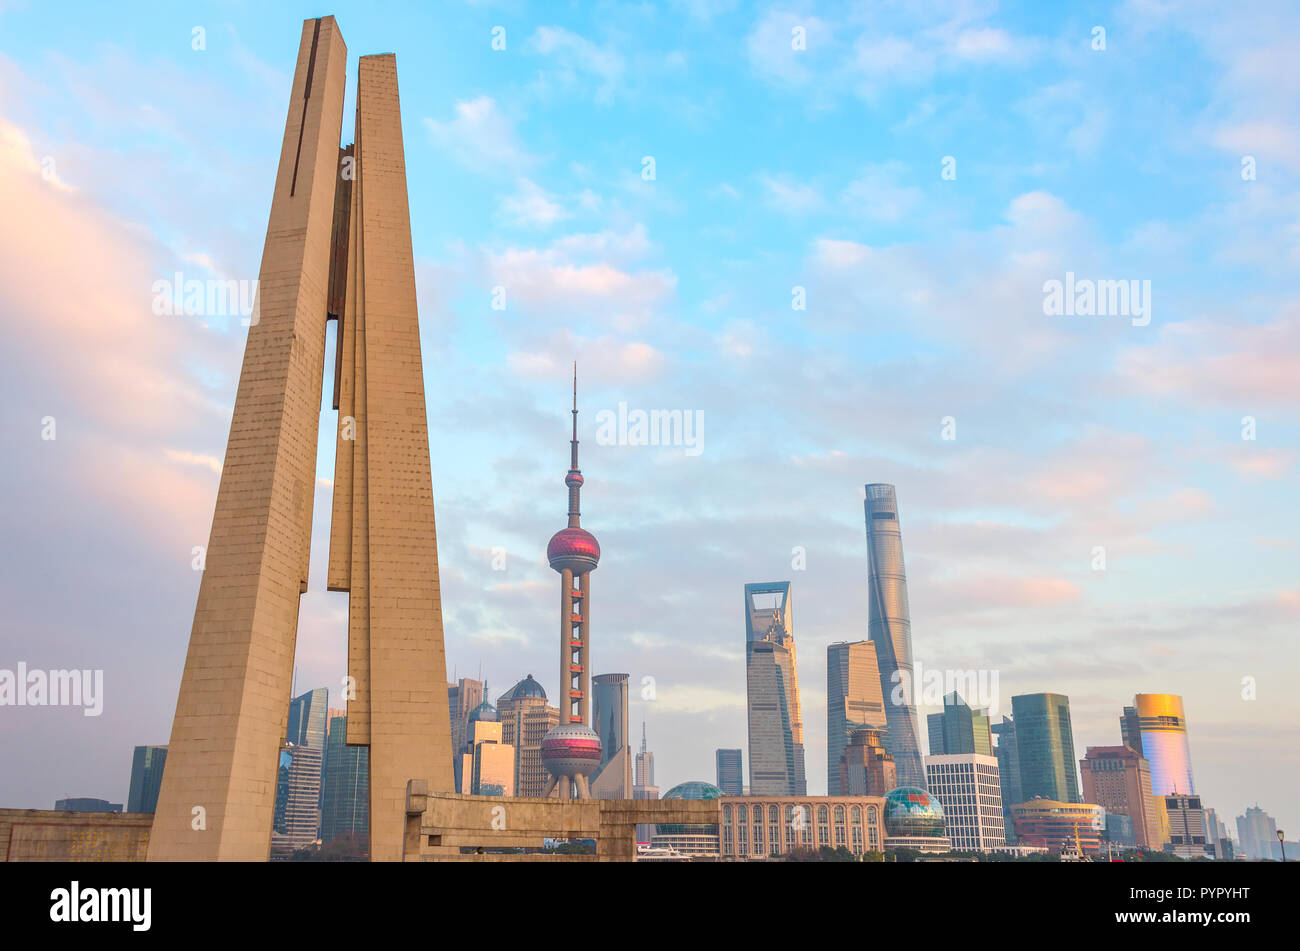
(823, 835)
(839, 815)
(726, 813)
(774, 840)
(743, 812)
(857, 815)
(822, 814)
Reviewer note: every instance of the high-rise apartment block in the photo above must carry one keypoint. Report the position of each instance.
(1008, 754)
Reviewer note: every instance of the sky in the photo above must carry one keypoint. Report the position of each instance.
(824, 232)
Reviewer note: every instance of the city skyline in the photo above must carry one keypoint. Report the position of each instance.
(1071, 435)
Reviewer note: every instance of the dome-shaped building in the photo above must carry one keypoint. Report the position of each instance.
(528, 688)
(914, 820)
(484, 713)
(689, 837)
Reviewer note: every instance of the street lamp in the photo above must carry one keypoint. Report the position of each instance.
(1281, 841)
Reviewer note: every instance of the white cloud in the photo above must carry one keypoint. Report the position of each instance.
(480, 137)
(531, 206)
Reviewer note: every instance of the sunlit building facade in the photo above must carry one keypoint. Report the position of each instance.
(776, 754)
(1057, 825)
(757, 828)
(853, 702)
(526, 718)
(866, 767)
(1163, 730)
(1119, 780)
(890, 628)
(967, 786)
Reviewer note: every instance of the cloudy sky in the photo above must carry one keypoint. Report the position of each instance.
(657, 188)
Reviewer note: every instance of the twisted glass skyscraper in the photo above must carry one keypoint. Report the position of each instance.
(890, 628)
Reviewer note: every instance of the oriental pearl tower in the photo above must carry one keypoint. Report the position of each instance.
(571, 751)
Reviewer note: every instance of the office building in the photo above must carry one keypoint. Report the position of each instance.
(609, 706)
(968, 788)
(890, 628)
(1119, 780)
(776, 754)
(866, 767)
(1060, 826)
(297, 799)
(644, 786)
(731, 773)
(959, 729)
(1008, 755)
(147, 764)
(307, 719)
(1257, 833)
(1186, 826)
(526, 718)
(462, 697)
(345, 797)
(853, 702)
(488, 764)
(1162, 740)
(1045, 746)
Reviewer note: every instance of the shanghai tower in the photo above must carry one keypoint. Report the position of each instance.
(890, 628)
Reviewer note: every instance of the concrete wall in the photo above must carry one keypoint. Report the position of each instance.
(46, 835)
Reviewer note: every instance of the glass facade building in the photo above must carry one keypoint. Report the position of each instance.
(959, 729)
(1045, 744)
(776, 754)
(731, 773)
(853, 702)
(890, 628)
(345, 807)
(1008, 756)
(146, 777)
(1163, 730)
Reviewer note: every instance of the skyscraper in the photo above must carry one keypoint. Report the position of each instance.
(1257, 832)
(146, 777)
(462, 697)
(959, 729)
(645, 787)
(968, 788)
(571, 752)
(307, 718)
(488, 764)
(776, 758)
(1162, 739)
(345, 809)
(297, 799)
(1119, 780)
(853, 702)
(1008, 755)
(526, 718)
(731, 772)
(609, 707)
(1045, 744)
(866, 767)
(890, 627)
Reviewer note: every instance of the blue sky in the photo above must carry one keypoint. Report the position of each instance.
(775, 168)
